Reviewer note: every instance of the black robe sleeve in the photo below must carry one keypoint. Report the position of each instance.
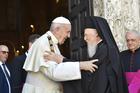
(71, 86)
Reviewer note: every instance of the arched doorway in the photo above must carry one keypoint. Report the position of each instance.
(17, 16)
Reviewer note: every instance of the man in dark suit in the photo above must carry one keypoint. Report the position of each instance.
(18, 75)
(5, 86)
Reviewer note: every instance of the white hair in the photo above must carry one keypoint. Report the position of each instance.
(59, 22)
(134, 32)
(58, 25)
(1, 46)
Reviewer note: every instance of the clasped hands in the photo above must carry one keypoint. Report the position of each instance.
(84, 65)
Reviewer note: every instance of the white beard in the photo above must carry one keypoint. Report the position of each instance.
(91, 49)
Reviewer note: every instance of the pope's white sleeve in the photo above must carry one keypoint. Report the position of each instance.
(62, 72)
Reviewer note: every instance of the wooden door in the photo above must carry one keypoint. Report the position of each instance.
(77, 10)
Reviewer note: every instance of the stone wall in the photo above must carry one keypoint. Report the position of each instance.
(122, 16)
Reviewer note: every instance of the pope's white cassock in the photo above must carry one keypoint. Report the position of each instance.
(45, 77)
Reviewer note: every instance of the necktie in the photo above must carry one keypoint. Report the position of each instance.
(6, 72)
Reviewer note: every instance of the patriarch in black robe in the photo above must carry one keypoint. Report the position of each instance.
(109, 77)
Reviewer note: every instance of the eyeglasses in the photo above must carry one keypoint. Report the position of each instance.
(4, 52)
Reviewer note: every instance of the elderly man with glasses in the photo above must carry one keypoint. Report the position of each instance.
(4, 72)
(131, 60)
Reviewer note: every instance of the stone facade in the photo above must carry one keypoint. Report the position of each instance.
(122, 16)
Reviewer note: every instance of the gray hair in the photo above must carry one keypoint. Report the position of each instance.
(1, 46)
(134, 32)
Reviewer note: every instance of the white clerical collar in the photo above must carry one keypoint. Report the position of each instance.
(54, 39)
(100, 41)
(2, 62)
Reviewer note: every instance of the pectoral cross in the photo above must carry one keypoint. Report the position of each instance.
(51, 44)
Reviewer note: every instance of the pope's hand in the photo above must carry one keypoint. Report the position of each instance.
(50, 56)
(89, 65)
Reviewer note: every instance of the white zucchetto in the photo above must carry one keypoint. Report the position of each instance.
(61, 20)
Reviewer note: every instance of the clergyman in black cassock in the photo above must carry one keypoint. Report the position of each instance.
(131, 56)
(109, 77)
(126, 60)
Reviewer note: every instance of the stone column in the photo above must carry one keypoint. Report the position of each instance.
(122, 16)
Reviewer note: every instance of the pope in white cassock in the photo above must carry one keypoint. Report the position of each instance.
(45, 77)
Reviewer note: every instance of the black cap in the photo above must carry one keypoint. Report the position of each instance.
(90, 22)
